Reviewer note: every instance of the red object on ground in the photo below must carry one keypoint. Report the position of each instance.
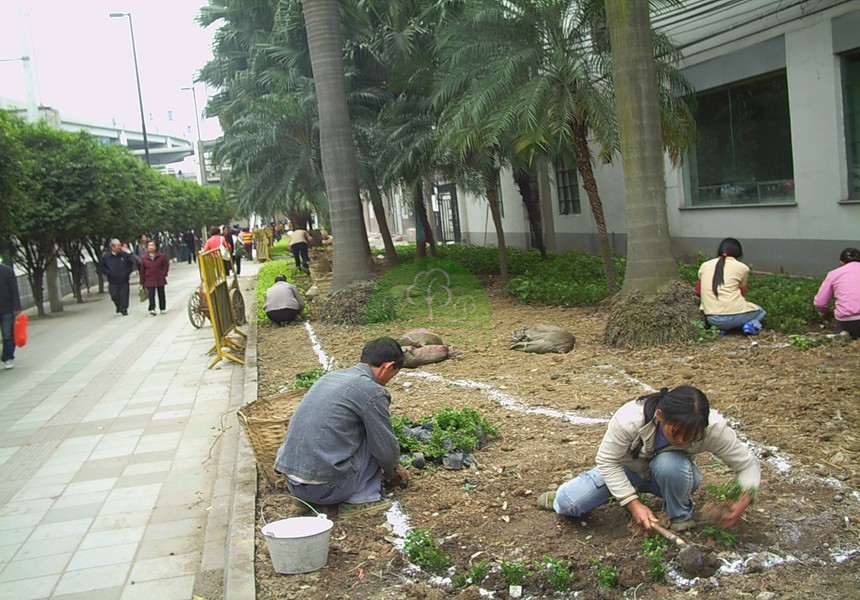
(21, 330)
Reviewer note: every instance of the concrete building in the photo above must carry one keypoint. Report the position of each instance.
(777, 160)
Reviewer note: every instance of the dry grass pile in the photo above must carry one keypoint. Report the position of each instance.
(348, 306)
(641, 321)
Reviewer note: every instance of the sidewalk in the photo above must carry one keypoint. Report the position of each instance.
(121, 457)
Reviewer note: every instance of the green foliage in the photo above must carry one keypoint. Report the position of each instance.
(281, 248)
(306, 379)
(724, 537)
(647, 500)
(653, 549)
(464, 429)
(515, 573)
(787, 300)
(725, 491)
(266, 279)
(423, 551)
(806, 341)
(558, 573)
(705, 333)
(474, 576)
(607, 575)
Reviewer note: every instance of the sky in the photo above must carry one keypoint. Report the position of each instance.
(83, 63)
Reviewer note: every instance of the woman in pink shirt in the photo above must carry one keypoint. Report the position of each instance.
(843, 284)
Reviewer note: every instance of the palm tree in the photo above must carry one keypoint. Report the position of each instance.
(539, 72)
(651, 269)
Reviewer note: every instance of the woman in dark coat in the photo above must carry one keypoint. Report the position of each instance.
(153, 276)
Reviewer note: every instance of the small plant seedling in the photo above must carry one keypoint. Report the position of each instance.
(607, 575)
(558, 573)
(476, 575)
(653, 549)
(647, 500)
(725, 491)
(805, 341)
(306, 379)
(422, 550)
(515, 573)
(723, 537)
(704, 333)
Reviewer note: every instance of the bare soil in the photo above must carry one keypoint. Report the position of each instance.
(797, 407)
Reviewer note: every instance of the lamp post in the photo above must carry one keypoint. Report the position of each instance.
(201, 162)
(137, 77)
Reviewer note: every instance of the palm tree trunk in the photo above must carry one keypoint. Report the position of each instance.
(527, 184)
(493, 199)
(351, 260)
(583, 166)
(384, 231)
(421, 213)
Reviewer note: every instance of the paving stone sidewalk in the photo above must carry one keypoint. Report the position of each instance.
(123, 471)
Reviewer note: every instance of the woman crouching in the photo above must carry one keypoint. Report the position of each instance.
(649, 447)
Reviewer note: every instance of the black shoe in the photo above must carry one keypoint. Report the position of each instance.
(125, 313)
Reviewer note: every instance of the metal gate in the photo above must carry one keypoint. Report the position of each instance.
(446, 212)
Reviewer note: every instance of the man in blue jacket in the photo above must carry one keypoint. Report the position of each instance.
(10, 306)
(117, 266)
(340, 444)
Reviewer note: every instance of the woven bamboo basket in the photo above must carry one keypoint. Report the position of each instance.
(265, 423)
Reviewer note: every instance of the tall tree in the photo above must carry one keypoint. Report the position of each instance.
(351, 260)
(651, 269)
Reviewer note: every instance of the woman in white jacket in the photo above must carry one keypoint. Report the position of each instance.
(649, 447)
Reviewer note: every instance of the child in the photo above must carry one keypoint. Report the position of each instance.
(722, 286)
(649, 447)
(843, 284)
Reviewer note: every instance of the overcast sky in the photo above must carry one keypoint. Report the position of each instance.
(83, 63)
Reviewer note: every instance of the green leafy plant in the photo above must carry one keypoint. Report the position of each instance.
(725, 491)
(805, 341)
(724, 537)
(647, 500)
(306, 379)
(558, 573)
(653, 549)
(461, 429)
(704, 333)
(423, 551)
(607, 575)
(515, 573)
(475, 575)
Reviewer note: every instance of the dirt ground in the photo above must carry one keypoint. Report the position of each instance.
(798, 408)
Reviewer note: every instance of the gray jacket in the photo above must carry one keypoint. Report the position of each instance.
(283, 295)
(628, 430)
(335, 416)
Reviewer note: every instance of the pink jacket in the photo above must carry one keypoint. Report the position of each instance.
(843, 284)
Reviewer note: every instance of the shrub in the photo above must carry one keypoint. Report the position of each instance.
(266, 279)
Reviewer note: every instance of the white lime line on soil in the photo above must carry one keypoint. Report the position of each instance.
(326, 361)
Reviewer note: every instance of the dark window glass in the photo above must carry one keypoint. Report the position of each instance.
(851, 100)
(567, 187)
(743, 147)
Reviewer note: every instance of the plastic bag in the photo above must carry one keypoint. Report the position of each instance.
(20, 330)
(142, 294)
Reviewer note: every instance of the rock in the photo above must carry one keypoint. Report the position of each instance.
(766, 596)
(690, 561)
(312, 291)
(453, 461)
(754, 564)
(555, 376)
(418, 460)
(470, 593)
(838, 498)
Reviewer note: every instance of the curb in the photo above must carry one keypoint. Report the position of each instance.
(239, 580)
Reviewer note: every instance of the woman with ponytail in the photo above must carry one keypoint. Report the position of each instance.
(843, 284)
(722, 285)
(649, 447)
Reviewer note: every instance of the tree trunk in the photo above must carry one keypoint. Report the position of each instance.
(527, 184)
(36, 276)
(421, 213)
(493, 199)
(583, 166)
(384, 231)
(651, 309)
(351, 260)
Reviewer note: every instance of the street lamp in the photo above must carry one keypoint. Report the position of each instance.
(201, 163)
(137, 76)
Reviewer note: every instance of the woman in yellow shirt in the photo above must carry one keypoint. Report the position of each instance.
(722, 295)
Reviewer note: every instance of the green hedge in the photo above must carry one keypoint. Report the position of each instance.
(266, 279)
(281, 248)
(576, 279)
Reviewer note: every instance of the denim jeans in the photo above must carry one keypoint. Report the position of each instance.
(727, 322)
(364, 485)
(7, 322)
(674, 477)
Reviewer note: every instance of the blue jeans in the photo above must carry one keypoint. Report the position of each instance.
(674, 477)
(727, 322)
(7, 321)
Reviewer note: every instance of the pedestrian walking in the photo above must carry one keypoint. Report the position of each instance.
(117, 266)
(299, 240)
(153, 276)
(191, 243)
(10, 308)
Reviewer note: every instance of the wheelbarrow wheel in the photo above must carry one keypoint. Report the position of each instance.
(195, 314)
(238, 307)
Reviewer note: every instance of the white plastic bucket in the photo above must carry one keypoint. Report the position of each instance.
(299, 544)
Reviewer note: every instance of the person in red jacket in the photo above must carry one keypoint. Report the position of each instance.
(153, 276)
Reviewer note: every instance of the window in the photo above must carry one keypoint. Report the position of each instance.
(851, 87)
(743, 148)
(567, 187)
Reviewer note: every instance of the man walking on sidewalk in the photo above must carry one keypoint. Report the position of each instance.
(10, 307)
(117, 266)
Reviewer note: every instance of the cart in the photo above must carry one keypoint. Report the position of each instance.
(198, 310)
